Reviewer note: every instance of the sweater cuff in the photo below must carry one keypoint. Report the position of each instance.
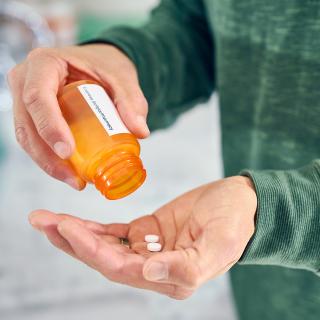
(288, 219)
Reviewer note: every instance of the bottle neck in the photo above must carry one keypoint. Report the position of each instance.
(119, 175)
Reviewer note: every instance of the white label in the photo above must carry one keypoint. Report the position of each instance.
(103, 108)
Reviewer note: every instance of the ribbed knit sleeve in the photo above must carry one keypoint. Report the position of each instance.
(288, 218)
(174, 56)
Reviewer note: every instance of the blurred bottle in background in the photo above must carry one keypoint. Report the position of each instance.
(61, 17)
(6, 63)
(22, 28)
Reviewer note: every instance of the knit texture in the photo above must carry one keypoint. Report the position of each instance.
(293, 198)
(263, 59)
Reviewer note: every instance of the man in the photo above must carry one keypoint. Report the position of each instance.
(263, 60)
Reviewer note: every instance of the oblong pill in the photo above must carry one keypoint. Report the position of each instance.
(154, 247)
(151, 238)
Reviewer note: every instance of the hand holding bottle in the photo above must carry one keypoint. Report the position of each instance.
(203, 233)
(40, 127)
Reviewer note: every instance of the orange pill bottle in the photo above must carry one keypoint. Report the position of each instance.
(106, 154)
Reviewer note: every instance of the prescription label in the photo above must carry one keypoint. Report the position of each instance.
(104, 109)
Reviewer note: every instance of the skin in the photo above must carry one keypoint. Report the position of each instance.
(203, 232)
(39, 125)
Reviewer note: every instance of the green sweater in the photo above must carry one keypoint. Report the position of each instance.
(262, 57)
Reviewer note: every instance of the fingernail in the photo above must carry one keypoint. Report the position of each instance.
(35, 226)
(32, 220)
(32, 215)
(73, 183)
(81, 183)
(156, 271)
(62, 149)
(143, 124)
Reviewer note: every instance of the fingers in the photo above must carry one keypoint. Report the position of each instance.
(127, 95)
(44, 75)
(40, 127)
(31, 142)
(83, 242)
(136, 232)
(214, 252)
(57, 240)
(132, 107)
(46, 222)
(139, 228)
(72, 235)
(40, 219)
(116, 266)
(119, 230)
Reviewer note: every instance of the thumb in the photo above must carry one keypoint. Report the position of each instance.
(177, 267)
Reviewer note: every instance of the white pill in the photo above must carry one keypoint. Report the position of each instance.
(151, 238)
(154, 247)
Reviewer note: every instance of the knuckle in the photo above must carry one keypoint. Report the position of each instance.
(44, 127)
(50, 168)
(22, 136)
(143, 104)
(32, 99)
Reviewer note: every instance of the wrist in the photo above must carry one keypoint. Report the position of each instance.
(250, 199)
(245, 181)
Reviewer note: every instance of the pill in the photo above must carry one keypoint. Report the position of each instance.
(151, 238)
(154, 247)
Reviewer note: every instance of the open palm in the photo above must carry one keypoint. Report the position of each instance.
(203, 233)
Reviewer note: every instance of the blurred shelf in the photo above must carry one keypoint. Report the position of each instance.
(91, 26)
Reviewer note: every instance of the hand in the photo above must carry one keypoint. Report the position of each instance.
(203, 233)
(40, 127)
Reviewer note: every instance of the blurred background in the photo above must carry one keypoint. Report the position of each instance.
(36, 280)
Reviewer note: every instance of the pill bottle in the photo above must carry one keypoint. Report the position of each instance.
(106, 153)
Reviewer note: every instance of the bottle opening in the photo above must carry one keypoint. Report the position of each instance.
(120, 175)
